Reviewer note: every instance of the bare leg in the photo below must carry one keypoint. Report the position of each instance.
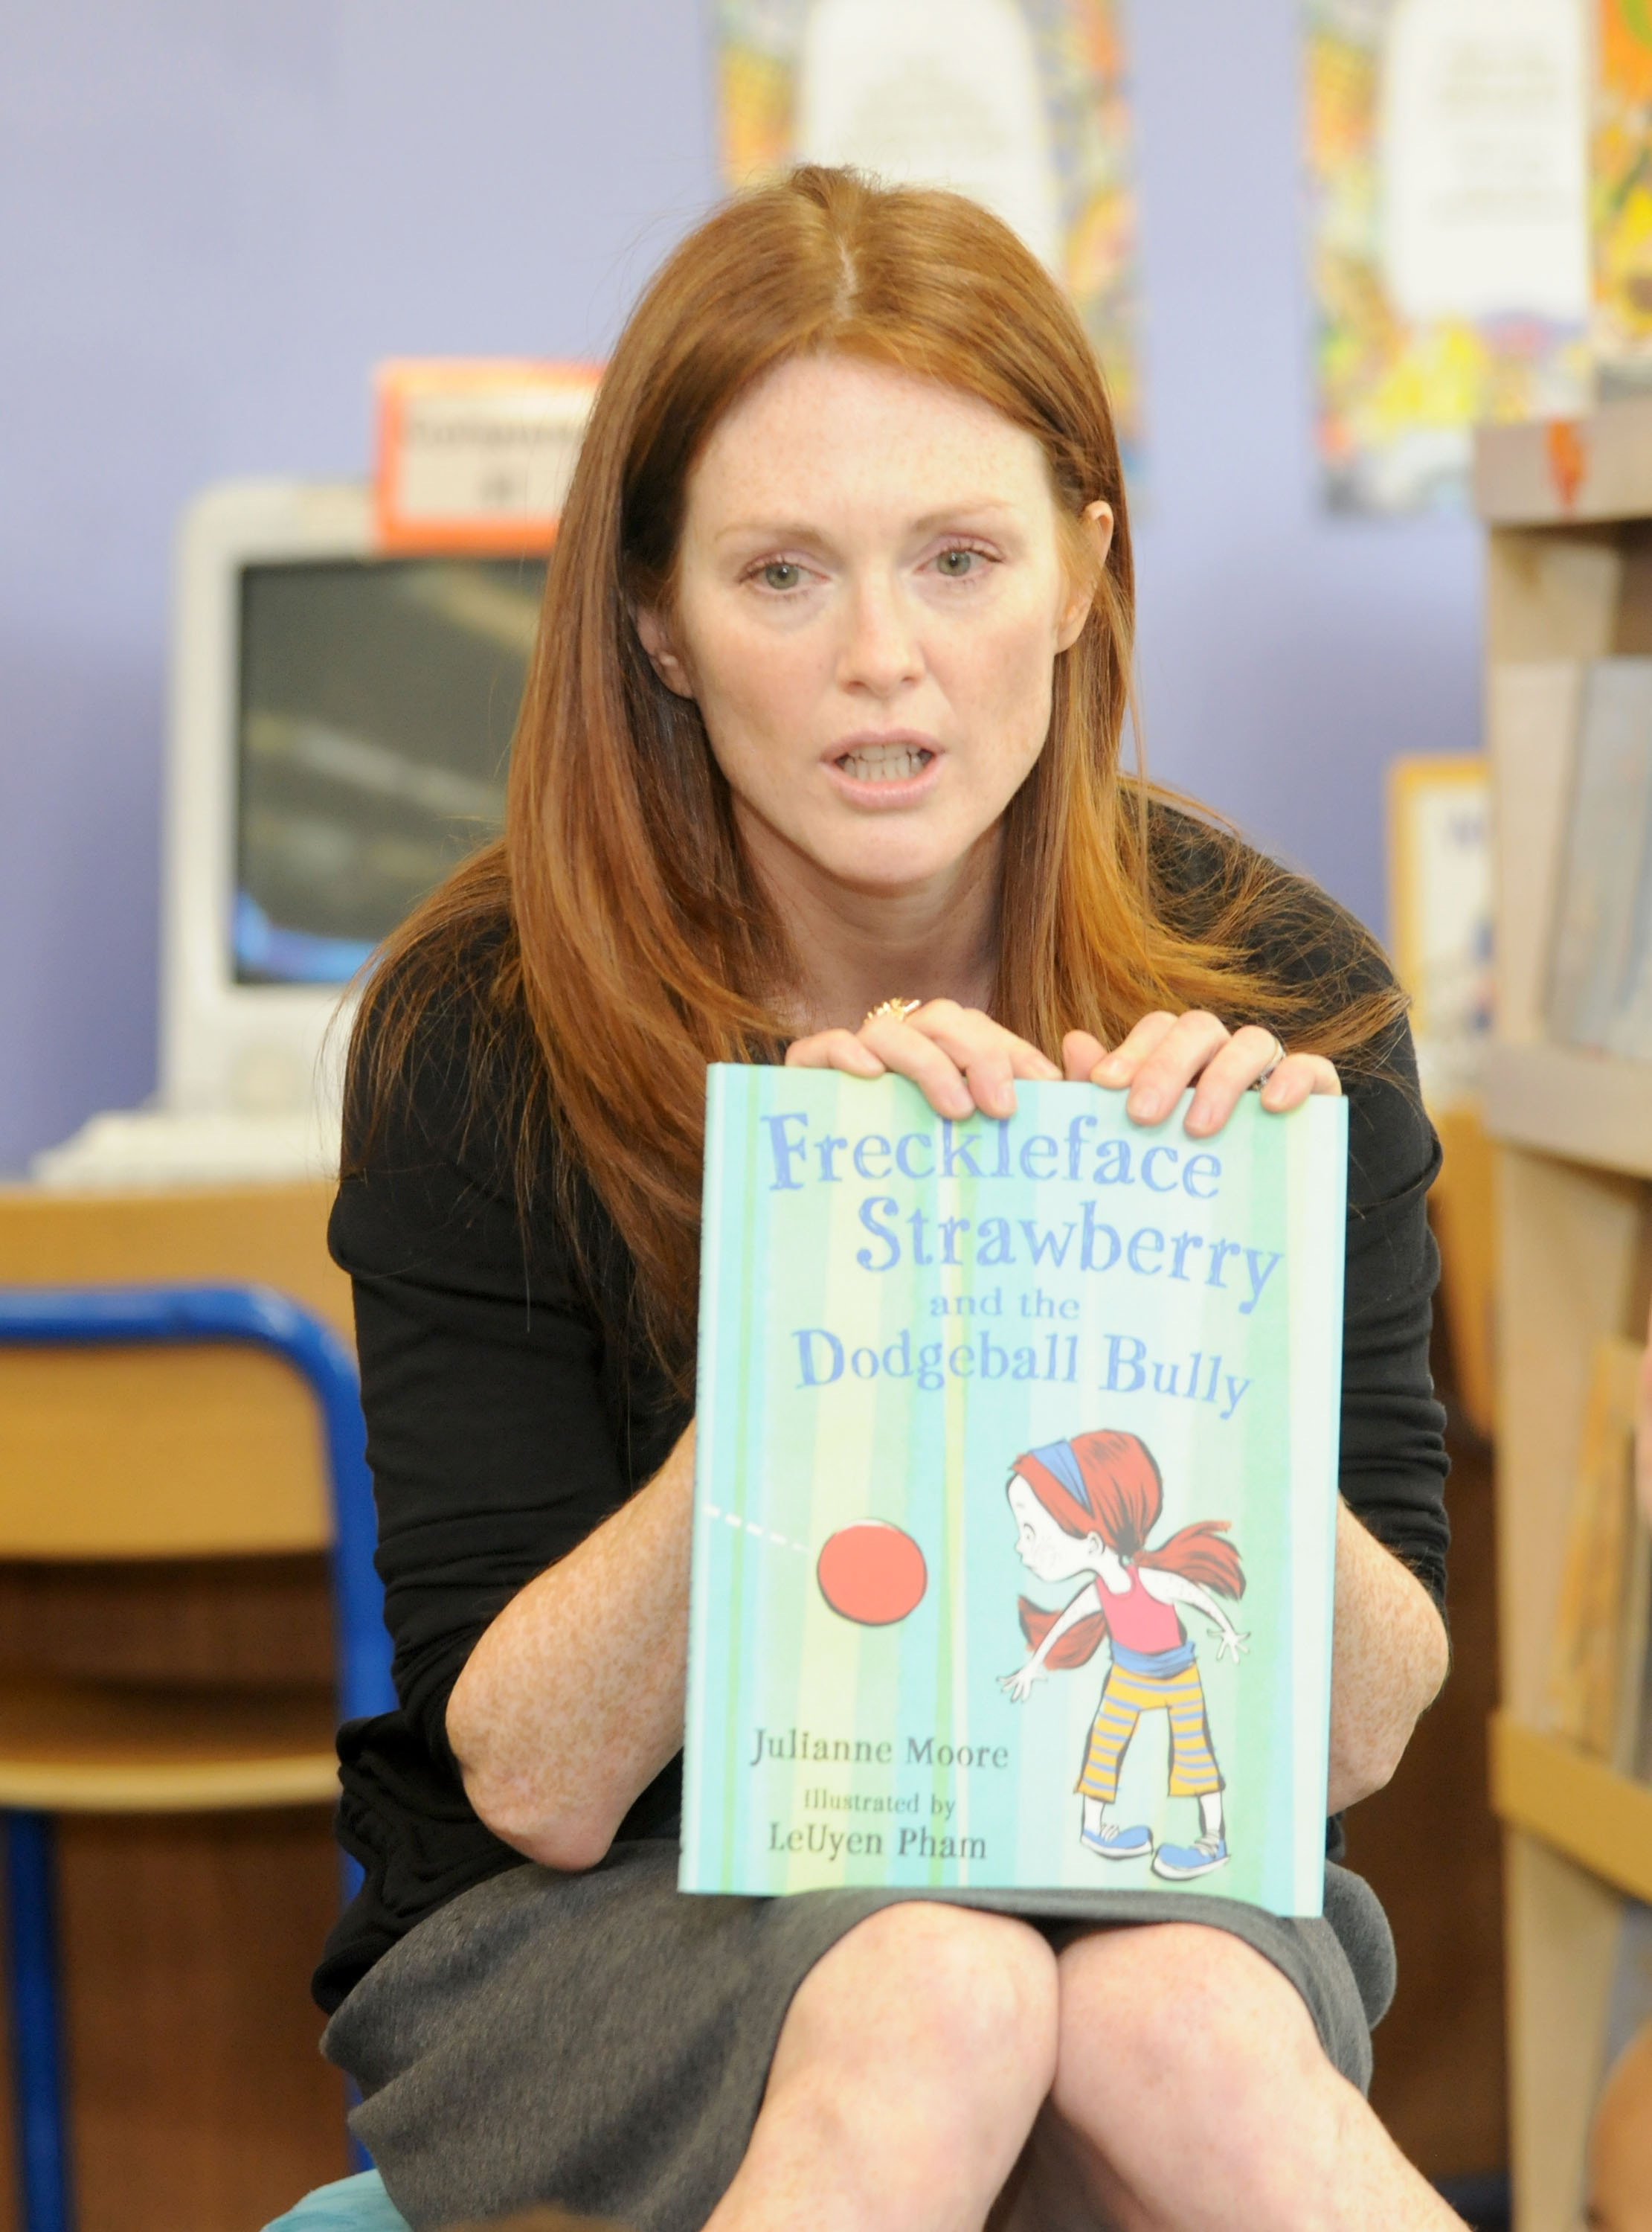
(1192, 2094)
(910, 2069)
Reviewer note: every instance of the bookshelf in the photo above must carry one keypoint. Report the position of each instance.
(1569, 578)
(1583, 1108)
(1575, 1804)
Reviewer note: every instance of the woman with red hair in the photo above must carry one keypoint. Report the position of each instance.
(819, 762)
(1087, 1506)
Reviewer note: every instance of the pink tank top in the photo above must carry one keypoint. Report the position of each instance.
(1139, 1621)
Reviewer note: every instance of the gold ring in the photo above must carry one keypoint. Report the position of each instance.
(891, 1011)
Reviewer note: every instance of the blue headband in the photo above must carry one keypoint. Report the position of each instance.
(1057, 1458)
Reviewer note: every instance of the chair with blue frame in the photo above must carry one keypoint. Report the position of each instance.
(69, 1746)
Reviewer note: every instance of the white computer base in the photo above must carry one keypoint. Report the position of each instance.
(152, 1150)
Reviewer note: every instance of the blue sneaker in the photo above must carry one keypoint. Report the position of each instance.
(1119, 1844)
(1178, 1862)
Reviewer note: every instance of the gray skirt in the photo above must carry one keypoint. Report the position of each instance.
(603, 2041)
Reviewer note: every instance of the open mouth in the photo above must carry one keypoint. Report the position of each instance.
(885, 762)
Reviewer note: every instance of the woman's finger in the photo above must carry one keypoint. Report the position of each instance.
(1031, 1061)
(1298, 1078)
(958, 1057)
(990, 1056)
(1080, 1053)
(1232, 1070)
(1182, 1054)
(914, 1055)
(837, 1049)
(1120, 1068)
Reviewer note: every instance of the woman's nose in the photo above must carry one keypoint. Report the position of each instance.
(881, 651)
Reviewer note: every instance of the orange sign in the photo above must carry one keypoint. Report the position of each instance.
(476, 453)
(1562, 441)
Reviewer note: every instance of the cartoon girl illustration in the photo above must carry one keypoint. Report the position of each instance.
(1087, 1506)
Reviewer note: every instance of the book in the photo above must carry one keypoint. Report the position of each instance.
(1629, 2007)
(1014, 1495)
(1598, 1646)
(1605, 843)
(1531, 714)
(1629, 1031)
(1618, 2156)
(1440, 916)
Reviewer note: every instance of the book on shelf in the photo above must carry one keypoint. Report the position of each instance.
(1440, 916)
(1629, 1032)
(1618, 2168)
(1629, 2007)
(1532, 708)
(1598, 1658)
(1600, 965)
(1015, 1494)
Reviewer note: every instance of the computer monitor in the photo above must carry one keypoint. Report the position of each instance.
(342, 722)
(340, 725)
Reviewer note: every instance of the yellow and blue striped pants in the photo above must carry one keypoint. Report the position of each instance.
(1125, 1696)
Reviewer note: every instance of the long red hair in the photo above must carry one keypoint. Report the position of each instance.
(1108, 1483)
(623, 941)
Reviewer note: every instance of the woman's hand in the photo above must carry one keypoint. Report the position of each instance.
(962, 1060)
(959, 1059)
(1166, 1053)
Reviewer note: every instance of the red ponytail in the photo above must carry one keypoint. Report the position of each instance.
(1082, 1640)
(1199, 1553)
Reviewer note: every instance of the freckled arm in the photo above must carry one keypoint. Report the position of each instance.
(571, 1701)
(1389, 1657)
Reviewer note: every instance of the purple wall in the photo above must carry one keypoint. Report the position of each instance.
(1286, 655)
(214, 215)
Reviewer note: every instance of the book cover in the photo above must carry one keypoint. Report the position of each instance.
(1629, 2005)
(1597, 1649)
(1533, 710)
(1611, 801)
(1629, 1032)
(1015, 1492)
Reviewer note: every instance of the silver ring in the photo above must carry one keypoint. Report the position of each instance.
(1279, 1056)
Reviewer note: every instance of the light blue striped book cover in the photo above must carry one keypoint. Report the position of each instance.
(961, 1384)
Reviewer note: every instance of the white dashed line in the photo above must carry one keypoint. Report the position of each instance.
(763, 1534)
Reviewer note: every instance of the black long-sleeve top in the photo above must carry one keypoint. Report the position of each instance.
(507, 1419)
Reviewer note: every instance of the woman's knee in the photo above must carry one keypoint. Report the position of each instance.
(946, 1987)
(910, 2069)
(1191, 2087)
(1177, 2018)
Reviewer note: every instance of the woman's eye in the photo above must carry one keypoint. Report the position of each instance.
(780, 574)
(957, 564)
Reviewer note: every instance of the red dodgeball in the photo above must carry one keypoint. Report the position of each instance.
(872, 1572)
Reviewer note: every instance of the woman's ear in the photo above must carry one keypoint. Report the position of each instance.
(1098, 530)
(656, 639)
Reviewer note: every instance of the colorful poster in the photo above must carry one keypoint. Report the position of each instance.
(1015, 1494)
(1021, 103)
(1621, 196)
(1447, 161)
